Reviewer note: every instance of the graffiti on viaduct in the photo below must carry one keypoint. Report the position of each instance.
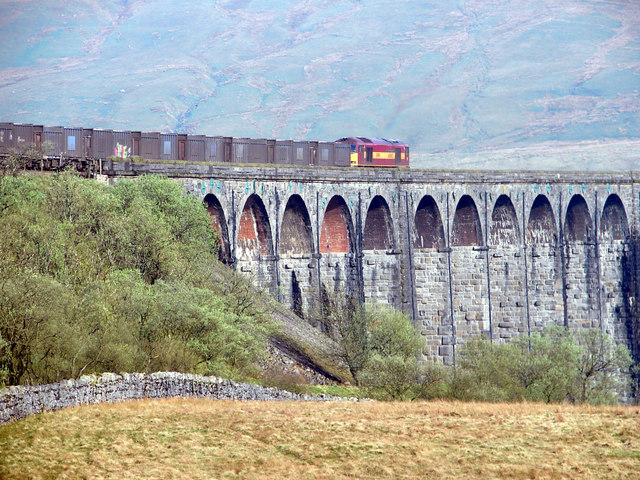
(502, 254)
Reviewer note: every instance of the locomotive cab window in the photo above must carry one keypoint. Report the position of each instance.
(398, 155)
(167, 147)
(71, 142)
(369, 155)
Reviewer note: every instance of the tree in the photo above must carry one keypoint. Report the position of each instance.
(377, 343)
(346, 321)
(18, 159)
(556, 365)
(393, 375)
(483, 372)
(603, 367)
(546, 363)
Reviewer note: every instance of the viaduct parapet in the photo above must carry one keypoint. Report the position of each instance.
(463, 253)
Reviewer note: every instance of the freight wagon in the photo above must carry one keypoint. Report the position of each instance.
(64, 145)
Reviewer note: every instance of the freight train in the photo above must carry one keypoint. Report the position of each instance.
(62, 145)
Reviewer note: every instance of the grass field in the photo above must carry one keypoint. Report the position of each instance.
(188, 439)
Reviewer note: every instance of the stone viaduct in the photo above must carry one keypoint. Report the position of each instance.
(463, 253)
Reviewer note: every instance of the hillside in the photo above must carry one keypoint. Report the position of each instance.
(125, 279)
(446, 76)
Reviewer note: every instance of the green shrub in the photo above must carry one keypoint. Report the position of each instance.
(96, 278)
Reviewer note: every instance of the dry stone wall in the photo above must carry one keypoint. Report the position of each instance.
(20, 401)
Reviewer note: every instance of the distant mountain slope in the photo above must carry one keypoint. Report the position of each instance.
(449, 75)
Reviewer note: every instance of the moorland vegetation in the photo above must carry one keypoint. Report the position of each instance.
(201, 439)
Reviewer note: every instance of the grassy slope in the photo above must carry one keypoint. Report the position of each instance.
(182, 438)
(296, 338)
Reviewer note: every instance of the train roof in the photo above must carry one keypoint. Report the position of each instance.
(372, 141)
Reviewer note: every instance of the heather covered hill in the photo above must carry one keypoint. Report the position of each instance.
(448, 76)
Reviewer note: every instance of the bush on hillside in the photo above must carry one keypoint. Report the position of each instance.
(96, 278)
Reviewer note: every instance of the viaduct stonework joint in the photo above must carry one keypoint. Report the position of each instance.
(502, 254)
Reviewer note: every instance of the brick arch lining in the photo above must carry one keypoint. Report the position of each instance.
(577, 224)
(295, 232)
(254, 233)
(217, 219)
(467, 230)
(504, 223)
(335, 235)
(613, 223)
(378, 226)
(541, 228)
(428, 223)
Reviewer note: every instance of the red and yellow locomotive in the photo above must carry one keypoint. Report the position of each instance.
(377, 152)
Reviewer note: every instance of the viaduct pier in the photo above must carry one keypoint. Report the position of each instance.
(502, 254)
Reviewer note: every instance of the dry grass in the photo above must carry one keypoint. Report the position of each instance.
(181, 438)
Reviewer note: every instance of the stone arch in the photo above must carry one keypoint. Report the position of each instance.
(219, 223)
(504, 223)
(577, 223)
(467, 230)
(541, 227)
(428, 224)
(296, 236)
(254, 232)
(378, 226)
(613, 223)
(336, 235)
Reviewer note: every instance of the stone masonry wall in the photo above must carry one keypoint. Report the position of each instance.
(469, 285)
(581, 286)
(614, 313)
(544, 286)
(381, 276)
(299, 284)
(20, 401)
(508, 299)
(433, 308)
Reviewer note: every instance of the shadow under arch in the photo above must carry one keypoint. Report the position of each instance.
(467, 230)
(428, 225)
(541, 227)
(378, 226)
(577, 223)
(613, 222)
(504, 223)
(219, 223)
(254, 232)
(295, 231)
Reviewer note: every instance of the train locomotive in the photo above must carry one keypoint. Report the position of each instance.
(376, 152)
(79, 146)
